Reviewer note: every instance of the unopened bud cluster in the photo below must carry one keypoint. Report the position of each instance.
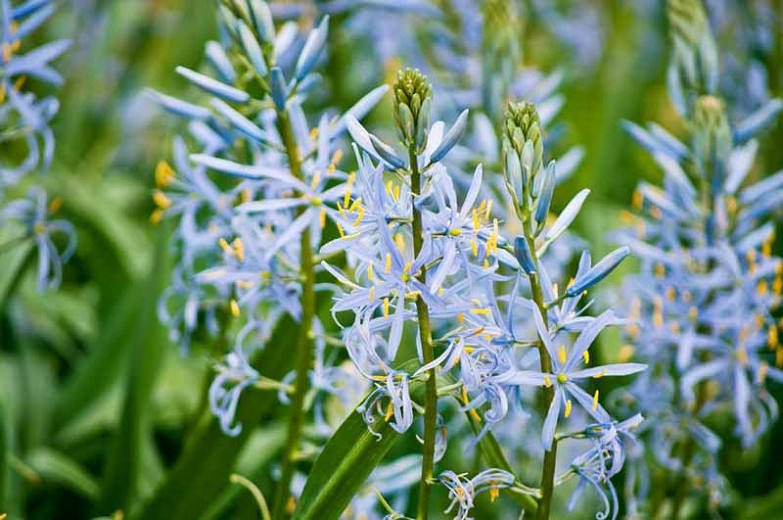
(413, 101)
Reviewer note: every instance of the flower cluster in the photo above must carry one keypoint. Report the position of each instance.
(704, 299)
(26, 141)
(423, 256)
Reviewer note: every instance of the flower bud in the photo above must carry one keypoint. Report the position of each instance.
(523, 150)
(694, 64)
(413, 98)
(711, 133)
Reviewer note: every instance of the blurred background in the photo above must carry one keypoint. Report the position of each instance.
(98, 405)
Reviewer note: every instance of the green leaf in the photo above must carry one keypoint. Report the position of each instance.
(124, 467)
(346, 461)
(5, 450)
(211, 455)
(13, 259)
(54, 466)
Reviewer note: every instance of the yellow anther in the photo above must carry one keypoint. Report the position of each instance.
(779, 357)
(239, 249)
(493, 494)
(595, 400)
(244, 284)
(772, 337)
(388, 263)
(223, 243)
(161, 200)
(234, 307)
(637, 200)
(600, 374)
(356, 203)
(567, 408)
(396, 194)
(586, 356)
(386, 307)
(555, 289)
(389, 186)
(671, 294)
(562, 378)
(657, 312)
(322, 218)
(474, 246)
(480, 311)
(561, 354)
(626, 353)
(314, 133)
(455, 232)
(547, 381)
(359, 217)
(341, 210)
(762, 288)
(659, 270)
(460, 317)
(156, 216)
(488, 211)
(693, 313)
(412, 295)
(476, 220)
(372, 292)
(316, 180)
(762, 373)
(369, 271)
(55, 205)
(389, 412)
(164, 174)
(742, 356)
(399, 241)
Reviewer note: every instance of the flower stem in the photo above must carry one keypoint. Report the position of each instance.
(425, 336)
(303, 350)
(550, 457)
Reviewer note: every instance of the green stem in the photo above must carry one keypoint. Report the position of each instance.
(550, 457)
(303, 351)
(425, 336)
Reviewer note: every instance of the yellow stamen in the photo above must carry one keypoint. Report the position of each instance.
(567, 408)
(164, 174)
(388, 263)
(55, 205)
(480, 311)
(239, 249)
(386, 307)
(586, 355)
(600, 374)
(595, 400)
(561, 354)
(161, 200)
(234, 307)
(547, 381)
(626, 353)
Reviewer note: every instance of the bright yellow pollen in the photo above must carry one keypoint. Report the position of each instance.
(586, 356)
(561, 354)
(455, 232)
(474, 246)
(547, 381)
(386, 307)
(161, 200)
(369, 271)
(234, 307)
(568, 408)
(322, 218)
(388, 263)
(562, 378)
(600, 374)
(595, 400)
(164, 174)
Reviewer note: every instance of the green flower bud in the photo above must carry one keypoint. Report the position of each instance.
(413, 99)
(711, 132)
(695, 54)
(523, 151)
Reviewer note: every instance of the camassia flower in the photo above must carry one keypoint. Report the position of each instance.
(463, 490)
(567, 370)
(33, 213)
(24, 118)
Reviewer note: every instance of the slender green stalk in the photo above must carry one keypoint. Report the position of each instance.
(550, 457)
(425, 336)
(303, 350)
